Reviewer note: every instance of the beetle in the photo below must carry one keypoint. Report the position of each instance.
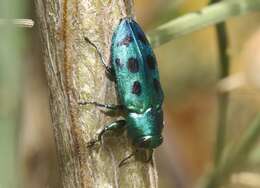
(134, 69)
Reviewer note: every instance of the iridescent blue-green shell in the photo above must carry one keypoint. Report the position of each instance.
(138, 85)
(135, 68)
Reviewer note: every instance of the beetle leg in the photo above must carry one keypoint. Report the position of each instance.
(123, 162)
(109, 69)
(150, 158)
(115, 126)
(113, 107)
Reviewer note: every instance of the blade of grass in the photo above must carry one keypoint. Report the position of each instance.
(236, 155)
(17, 22)
(207, 16)
(224, 64)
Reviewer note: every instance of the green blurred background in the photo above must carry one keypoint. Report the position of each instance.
(189, 71)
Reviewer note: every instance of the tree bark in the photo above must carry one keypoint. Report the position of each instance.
(74, 73)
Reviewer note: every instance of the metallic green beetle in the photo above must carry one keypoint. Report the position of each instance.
(134, 69)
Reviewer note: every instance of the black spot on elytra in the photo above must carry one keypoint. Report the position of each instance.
(142, 38)
(156, 85)
(136, 89)
(126, 41)
(133, 65)
(118, 63)
(150, 62)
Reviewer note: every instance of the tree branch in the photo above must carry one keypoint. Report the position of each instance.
(74, 73)
(207, 16)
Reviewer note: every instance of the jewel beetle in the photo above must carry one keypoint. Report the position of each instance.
(134, 69)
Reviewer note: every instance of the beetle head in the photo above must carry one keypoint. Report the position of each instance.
(145, 128)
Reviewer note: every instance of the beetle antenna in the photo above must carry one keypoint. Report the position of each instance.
(98, 51)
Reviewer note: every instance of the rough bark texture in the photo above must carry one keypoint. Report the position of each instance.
(74, 73)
